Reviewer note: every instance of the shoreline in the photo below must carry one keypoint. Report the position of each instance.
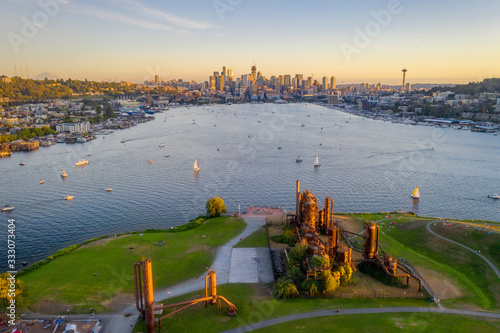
(200, 219)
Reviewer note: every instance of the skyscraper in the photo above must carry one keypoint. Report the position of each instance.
(288, 80)
(230, 73)
(404, 77)
(299, 78)
(157, 79)
(325, 83)
(333, 82)
(223, 70)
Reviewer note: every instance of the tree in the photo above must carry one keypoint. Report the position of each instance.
(109, 112)
(215, 207)
(7, 293)
(98, 109)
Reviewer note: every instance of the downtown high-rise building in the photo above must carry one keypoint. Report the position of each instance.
(333, 82)
(299, 78)
(325, 83)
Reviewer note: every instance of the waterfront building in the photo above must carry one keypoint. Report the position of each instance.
(73, 128)
(325, 83)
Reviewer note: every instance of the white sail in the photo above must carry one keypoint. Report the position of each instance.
(196, 168)
(316, 163)
(416, 193)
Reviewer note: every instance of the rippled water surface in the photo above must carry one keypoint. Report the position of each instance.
(366, 166)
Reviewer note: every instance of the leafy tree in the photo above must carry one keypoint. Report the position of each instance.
(109, 112)
(215, 207)
(330, 283)
(98, 109)
(6, 294)
(284, 288)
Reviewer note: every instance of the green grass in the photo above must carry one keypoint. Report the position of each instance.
(488, 244)
(70, 279)
(212, 319)
(471, 274)
(388, 322)
(258, 239)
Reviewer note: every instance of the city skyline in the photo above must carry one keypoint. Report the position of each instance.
(133, 41)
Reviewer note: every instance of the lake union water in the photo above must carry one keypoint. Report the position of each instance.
(366, 166)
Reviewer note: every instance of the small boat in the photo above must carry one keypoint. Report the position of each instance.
(316, 163)
(280, 147)
(22, 163)
(196, 167)
(123, 140)
(64, 174)
(7, 208)
(494, 196)
(24, 263)
(43, 181)
(162, 145)
(298, 159)
(89, 154)
(108, 189)
(302, 125)
(150, 161)
(416, 194)
(250, 136)
(69, 197)
(82, 162)
(167, 155)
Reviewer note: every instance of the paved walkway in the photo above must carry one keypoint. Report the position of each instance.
(497, 272)
(325, 313)
(121, 324)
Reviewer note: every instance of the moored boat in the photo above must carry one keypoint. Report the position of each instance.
(69, 197)
(43, 181)
(64, 174)
(494, 196)
(298, 159)
(108, 189)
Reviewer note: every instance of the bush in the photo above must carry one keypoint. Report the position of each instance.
(319, 262)
(329, 283)
(298, 254)
(284, 288)
(296, 274)
(288, 237)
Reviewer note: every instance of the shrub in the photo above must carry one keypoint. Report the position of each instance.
(284, 288)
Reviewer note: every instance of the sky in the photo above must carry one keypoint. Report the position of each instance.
(443, 41)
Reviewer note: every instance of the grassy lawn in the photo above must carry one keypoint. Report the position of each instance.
(466, 270)
(388, 322)
(71, 279)
(254, 304)
(257, 239)
(488, 244)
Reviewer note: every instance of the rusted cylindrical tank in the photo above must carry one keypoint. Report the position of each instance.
(391, 263)
(344, 255)
(212, 278)
(333, 235)
(370, 241)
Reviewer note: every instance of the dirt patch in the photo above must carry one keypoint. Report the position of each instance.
(273, 230)
(119, 302)
(197, 248)
(102, 241)
(261, 291)
(439, 284)
(349, 224)
(51, 306)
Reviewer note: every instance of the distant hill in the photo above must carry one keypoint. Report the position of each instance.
(472, 88)
(48, 75)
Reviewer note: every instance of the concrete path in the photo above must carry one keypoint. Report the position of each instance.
(325, 313)
(497, 272)
(119, 323)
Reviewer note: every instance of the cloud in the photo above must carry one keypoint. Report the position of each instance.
(169, 18)
(100, 13)
(419, 40)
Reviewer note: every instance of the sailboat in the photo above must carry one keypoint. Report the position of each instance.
(316, 163)
(196, 167)
(416, 194)
(64, 174)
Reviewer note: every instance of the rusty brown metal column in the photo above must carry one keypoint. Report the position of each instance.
(147, 275)
(297, 201)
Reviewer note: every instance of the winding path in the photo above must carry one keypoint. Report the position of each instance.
(497, 272)
(325, 313)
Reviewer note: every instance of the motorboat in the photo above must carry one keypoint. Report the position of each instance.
(108, 189)
(416, 194)
(303, 125)
(123, 140)
(69, 197)
(167, 155)
(494, 196)
(280, 147)
(316, 163)
(298, 159)
(22, 163)
(82, 162)
(64, 174)
(7, 208)
(150, 161)
(162, 145)
(196, 167)
(43, 181)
